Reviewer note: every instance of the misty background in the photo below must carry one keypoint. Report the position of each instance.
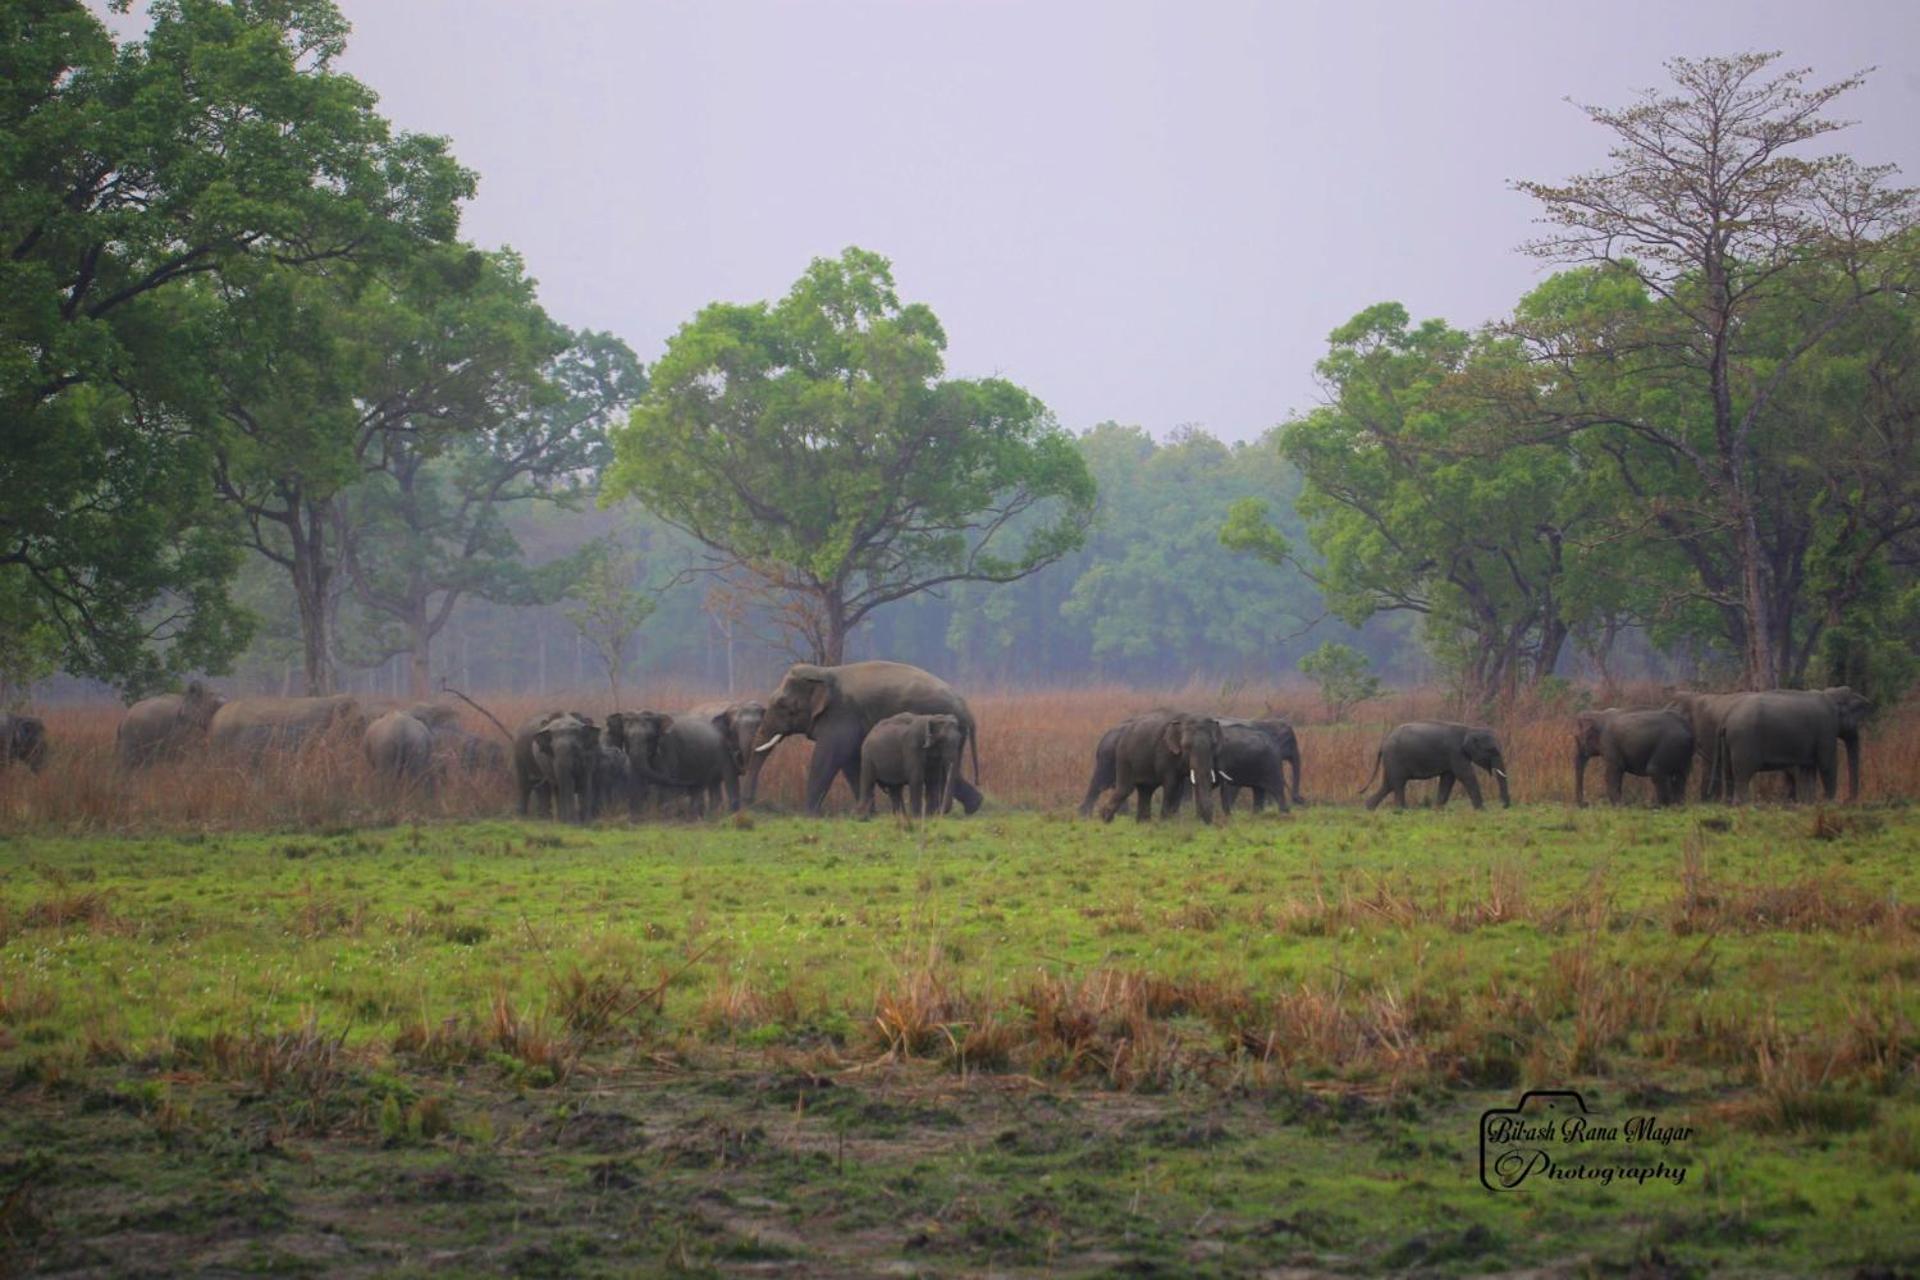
(1149, 215)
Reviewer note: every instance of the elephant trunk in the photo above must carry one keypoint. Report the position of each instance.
(1200, 762)
(1853, 766)
(756, 761)
(1498, 768)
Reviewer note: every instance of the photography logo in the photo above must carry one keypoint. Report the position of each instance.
(1551, 1137)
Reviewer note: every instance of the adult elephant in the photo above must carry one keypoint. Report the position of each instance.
(1648, 744)
(1162, 751)
(739, 722)
(165, 727)
(838, 706)
(253, 725)
(1437, 749)
(399, 746)
(1254, 754)
(23, 738)
(1798, 731)
(682, 754)
(1705, 712)
(455, 747)
(554, 757)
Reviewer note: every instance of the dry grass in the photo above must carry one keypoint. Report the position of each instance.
(1036, 752)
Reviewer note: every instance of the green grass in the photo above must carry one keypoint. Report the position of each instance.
(1015, 1041)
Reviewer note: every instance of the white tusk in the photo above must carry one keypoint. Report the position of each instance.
(1225, 776)
(769, 744)
(1191, 778)
(1499, 773)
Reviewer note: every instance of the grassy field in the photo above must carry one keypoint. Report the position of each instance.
(1015, 1044)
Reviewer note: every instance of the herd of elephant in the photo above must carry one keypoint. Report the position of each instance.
(887, 726)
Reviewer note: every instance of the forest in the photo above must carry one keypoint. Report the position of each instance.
(268, 416)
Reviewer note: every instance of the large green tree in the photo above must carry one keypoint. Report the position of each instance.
(1406, 514)
(126, 172)
(1713, 207)
(815, 446)
(431, 524)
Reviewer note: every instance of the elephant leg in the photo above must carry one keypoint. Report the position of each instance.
(820, 773)
(1446, 791)
(1616, 782)
(1400, 793)
(1143, 802)
(863, 793)
(1472, 786)
(733, 793)
(1829, 774)
(916, 795)
(1386, 789)
(1293, 762)
(894, 798)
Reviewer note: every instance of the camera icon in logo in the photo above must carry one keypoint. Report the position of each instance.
(1516, 1142)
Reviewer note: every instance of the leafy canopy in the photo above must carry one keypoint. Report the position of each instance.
(814, 443)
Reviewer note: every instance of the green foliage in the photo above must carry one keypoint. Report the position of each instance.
(1342, 676)
(611, 607)
(814, 444)
(224, 137)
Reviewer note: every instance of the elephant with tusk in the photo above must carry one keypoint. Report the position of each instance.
(1437, 749)
(1151, 753)
(837, 707)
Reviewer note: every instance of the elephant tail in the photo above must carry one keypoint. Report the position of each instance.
(1370, 774)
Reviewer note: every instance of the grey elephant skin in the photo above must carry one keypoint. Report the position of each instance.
(918, 753)
(1704, 713)
(740, 723)
(1255, 754)
(838, 706)
(612, 780)
(678, 755)
(23, 740)
(166, 727)
(253, 725)
(455, 748)
(1798, 731)
(399, 747)
(554, 757)
(1163, 751)
(1437, 749)
(1657, 745)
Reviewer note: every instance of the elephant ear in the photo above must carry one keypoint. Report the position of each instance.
(543, 743)
(927, 730)
(617, 730)
(822, 696)
(1175, 737)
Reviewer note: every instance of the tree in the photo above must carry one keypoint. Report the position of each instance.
(1407, 515)
(612, 608)
(126, 173)
(814, 445)
(428, 526)
(1342, 676)
(321, 382)
(1710, 208)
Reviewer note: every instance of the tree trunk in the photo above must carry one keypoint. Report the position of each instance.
(311, 576)
(420, 650)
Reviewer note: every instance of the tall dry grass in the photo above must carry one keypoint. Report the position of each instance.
(1035, 752)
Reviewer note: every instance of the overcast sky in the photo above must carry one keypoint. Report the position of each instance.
(1147, 212)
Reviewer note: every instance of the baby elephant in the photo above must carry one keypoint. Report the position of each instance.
(918, 752)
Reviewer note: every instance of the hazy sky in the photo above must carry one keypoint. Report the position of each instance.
(1147, 212)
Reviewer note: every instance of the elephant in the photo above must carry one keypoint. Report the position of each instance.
(1436, 749)
(684, 754)
(454, 746)
(253, 725)
(23, 738)
(1152, 752)
(1704, 713)
(1253, 754)
(612, 778)
(739, 721)
(838, 706)
(1648, 744)
(1794, 730)
(399, 745)
(166, 726)
(554, 755)
(920, 753)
